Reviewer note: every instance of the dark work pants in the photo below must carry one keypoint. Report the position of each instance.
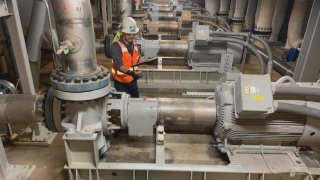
(130, 88)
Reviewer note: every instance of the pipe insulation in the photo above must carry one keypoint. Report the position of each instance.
(296, 27)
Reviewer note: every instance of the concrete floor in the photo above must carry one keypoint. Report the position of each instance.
(50, 160)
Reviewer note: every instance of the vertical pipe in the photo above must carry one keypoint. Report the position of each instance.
(74, 22)
(34, 40)
(124, 9)
(232, 8)
(296, 26)
(239, 15)
(137, 4)
(264, 15)
(278, 18)
(212, 6)
(224, 9)
(250, 15)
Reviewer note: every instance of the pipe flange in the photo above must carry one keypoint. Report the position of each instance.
(48, 111)
(82, 96)
(78, 84)
(7, 87)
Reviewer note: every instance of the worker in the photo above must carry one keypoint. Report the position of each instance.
(125, 55)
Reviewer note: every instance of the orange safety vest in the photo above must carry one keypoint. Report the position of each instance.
(128, 61)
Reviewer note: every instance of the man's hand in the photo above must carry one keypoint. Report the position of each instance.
(134, 74)
(142, 59)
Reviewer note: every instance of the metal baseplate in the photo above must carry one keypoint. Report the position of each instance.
(29, 137)
(242, 166)
(19, 172)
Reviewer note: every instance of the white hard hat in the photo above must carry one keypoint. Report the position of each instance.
(129, 26)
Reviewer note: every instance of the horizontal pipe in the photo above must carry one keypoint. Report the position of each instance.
(186, 112)
(167, 26)
(173, 48)
(21, 108)
(166, 15)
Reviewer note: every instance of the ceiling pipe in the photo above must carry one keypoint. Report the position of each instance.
(224, 9)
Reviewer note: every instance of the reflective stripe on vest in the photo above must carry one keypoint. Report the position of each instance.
(128, 61)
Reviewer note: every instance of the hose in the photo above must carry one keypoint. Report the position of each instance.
(296, 90)
(298, 109)
(254, 37)
(250, 47)
(285, 79)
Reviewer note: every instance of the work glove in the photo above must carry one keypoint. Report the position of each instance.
(134, 74)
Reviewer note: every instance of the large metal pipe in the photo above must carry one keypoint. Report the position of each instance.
(264, 16)
(167, 26)
(21, 108)
(74, 22)
(238, 17)
(37, 25)
(35, 37)
(124, 9)
(173, 48)
(212, 6)
(279, 16)
(297, 21)
(169, 16)
(191, 112)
